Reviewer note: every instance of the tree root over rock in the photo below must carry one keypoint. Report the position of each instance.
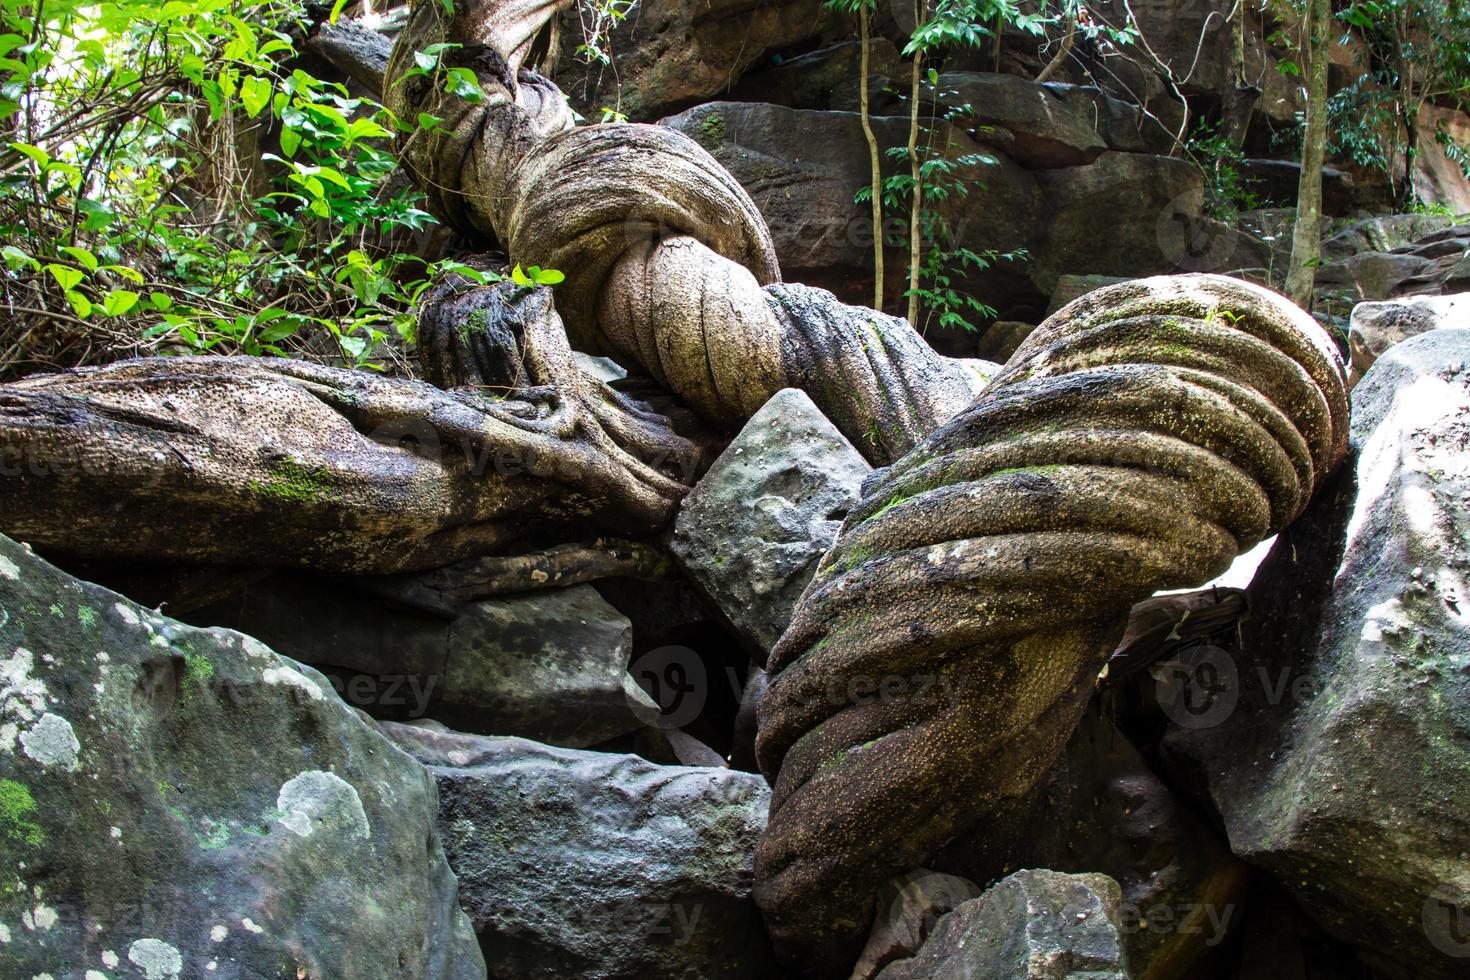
(267, 461)
(669, 265)
(936, 665)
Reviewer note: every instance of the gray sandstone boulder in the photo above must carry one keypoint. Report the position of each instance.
(753, 528)
(178, 803)
(1375, 327)
(549, 665)
(595, 865)
(1336, 743)
(1034, 925)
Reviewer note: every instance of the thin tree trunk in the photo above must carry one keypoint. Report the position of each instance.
(916, 228)
(1306, 238)
(875, 163)
(1240, 96)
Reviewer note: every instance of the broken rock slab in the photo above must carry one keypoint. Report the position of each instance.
(1034, 925)
(178, 803)
(752, 530)
(1375, 327)
(591, 864)
(549, 665)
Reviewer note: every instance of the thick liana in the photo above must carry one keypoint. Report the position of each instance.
(1140, 439)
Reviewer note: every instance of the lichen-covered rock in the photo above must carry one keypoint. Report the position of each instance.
(1339, 757)
(179, 803)
(1034, 925)
(1375, 327)
(1382, 233)
(752, 530)
(549, 665)
(589, 864)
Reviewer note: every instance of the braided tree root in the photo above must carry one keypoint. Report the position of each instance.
(1139, 439)
(669, 265)
(267, 461)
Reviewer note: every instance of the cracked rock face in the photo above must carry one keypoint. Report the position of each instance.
(188, 803)
(1342, 767)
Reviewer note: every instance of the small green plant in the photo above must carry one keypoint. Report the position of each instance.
(945, 175)
(1227, 190)
(598, 19)
(536, 276)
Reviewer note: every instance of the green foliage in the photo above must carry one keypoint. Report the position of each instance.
(968, 23)
(1363, 126)
(1419, 52)
(946, 175)
(536, 276)
(1456, 153)
(599, 18)
(171, 185)
(1227, 190)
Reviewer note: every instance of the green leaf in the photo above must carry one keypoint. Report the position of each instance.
(119, 301)
(290, 141)
(463, 83)
(519, 277)
(549, 277)
(161, 301)
(16, 259)
(255, 94)
(336, 11)
(79, 303)
(366, 129)
(83, 256)
(66, 277)
(99, 215)
(40, 156)
(132, 275)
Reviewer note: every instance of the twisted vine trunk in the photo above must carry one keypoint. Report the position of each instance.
(669, 265)
(1139, 439)
(268, 461)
